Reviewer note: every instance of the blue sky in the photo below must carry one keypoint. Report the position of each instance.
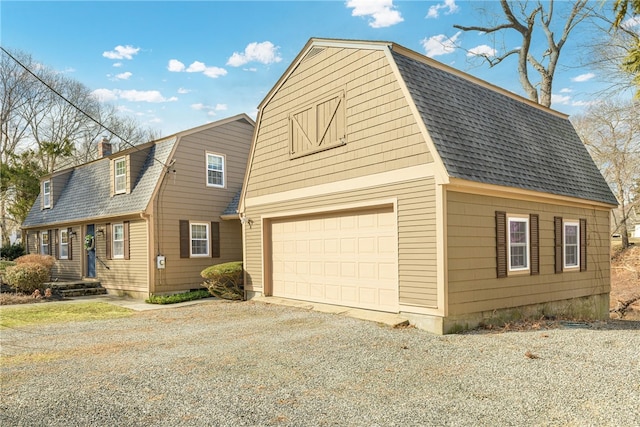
(177, 65)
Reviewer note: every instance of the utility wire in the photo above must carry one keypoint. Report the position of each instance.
(75, 106)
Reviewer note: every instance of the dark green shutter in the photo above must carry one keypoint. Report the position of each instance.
(583, 244)
(185, 241)
(108, 245)
(557, 232)
(125, 226)
(534, 236)
(501, 244)
(215, 240)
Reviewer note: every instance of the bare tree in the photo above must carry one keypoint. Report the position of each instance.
(52, 121)
(611, 133)
(526, 20)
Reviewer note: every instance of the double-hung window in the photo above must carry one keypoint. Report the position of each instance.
(118, 241)
(215, 170)
(199, 239)
(44, 243)
(46, 194)
(120, 176)
(571, 244)
(518, 242)
(64, 244)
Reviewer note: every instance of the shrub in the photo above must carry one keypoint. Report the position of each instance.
(27, 276)
(172, 299)
(224, 280)
(11, 252)
(46, 261)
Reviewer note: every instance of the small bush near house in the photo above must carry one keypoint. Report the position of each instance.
(173, 299)
(46, 261)
(26, 277)
(11, 252)
(224, 280)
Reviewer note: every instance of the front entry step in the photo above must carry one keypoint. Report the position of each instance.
(78, 288)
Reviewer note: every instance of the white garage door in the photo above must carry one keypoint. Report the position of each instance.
(346, 259)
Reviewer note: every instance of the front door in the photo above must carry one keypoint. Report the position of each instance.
(89, 244)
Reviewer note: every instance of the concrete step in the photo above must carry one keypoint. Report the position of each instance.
(78, 284)
(81, 292)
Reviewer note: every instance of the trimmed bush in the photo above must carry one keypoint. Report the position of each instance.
(27, 276)
(224, 280)
(11, 252)
(46, 261)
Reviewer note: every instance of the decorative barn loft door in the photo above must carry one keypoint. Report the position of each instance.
(318, 126)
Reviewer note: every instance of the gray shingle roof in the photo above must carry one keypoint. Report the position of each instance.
(232, 207)
(87, 193)
(489, 137)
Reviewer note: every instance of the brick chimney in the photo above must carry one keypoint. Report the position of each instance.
(104, 148)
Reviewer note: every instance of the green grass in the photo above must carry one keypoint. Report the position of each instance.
(172, 299)
(47, 313)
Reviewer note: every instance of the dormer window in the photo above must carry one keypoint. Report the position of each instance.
(46, 194)
(120, 175)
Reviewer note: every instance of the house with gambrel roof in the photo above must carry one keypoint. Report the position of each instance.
(146, 220)
(381, 179)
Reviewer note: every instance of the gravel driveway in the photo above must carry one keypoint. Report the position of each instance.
(220, 363)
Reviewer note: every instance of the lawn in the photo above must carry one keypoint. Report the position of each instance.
(36, 314)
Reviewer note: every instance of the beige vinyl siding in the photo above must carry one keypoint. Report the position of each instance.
(69, 269)
(186, 196)
(472, 282)
(381, 133)
(123, 274)
(416, 234)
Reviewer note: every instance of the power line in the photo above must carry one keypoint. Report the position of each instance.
(75, 106)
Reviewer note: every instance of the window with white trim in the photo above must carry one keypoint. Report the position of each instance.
(118, 241)
(120, 176)
(44, 243)
(518, 243)
(199, 236)
(215, 170)
(571, 244)
(46, 194)
(64, 244)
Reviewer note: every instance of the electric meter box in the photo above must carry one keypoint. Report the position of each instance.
(161, 262)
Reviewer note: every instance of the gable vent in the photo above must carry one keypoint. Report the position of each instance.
(313, 52)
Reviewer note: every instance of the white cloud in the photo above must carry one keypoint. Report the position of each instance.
(382, 12)
(252, 69)
(264, 53)
(124, 76)
(566, 90)
(210, 108)
(175, 66)
(560, 99)
(440, 44)
(104, 95)
(182, 91)
(121, 52)
(450, 5)
(482, 50)
(584, 103)
(117, 64)
(583, 77)
(634, 21)
(107, 95)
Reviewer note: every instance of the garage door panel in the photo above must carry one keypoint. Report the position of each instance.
(347, 259)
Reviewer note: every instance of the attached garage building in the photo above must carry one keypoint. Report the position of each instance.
(381, 179)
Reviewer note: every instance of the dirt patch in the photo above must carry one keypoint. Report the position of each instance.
(625, 284)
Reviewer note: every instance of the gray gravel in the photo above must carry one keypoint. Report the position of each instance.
(253, 364)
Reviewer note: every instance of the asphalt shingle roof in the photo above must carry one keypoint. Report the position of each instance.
(489, 137)
(87, 193)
